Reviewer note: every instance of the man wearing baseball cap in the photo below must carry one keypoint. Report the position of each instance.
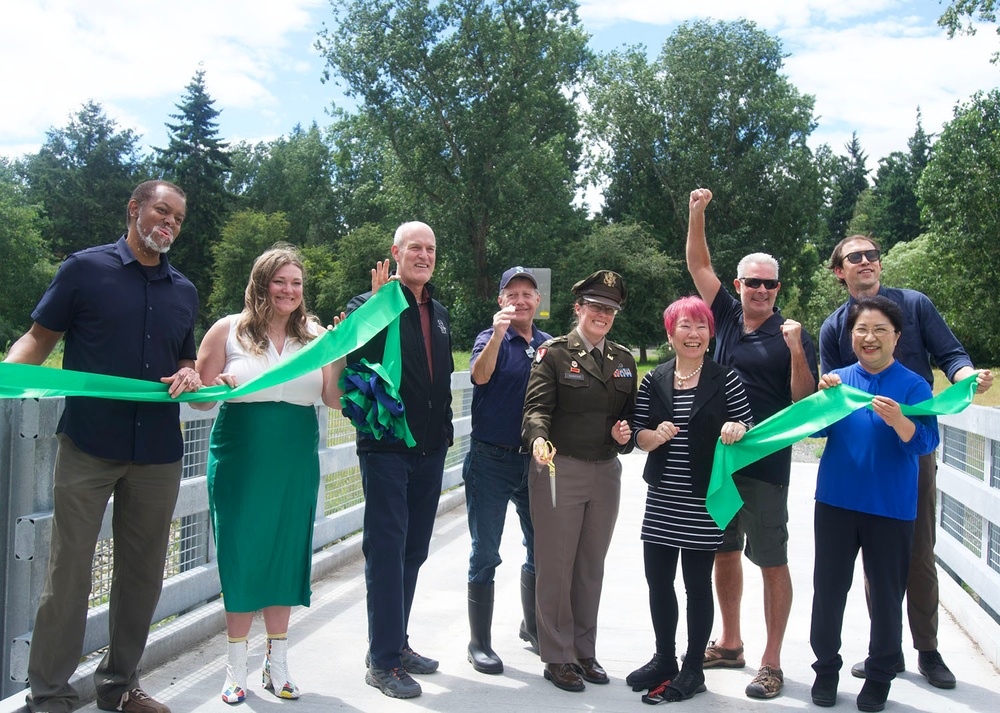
(496, 467)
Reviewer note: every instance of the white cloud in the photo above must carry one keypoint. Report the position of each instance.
(770, 14)
(57, 54)
(871, 78)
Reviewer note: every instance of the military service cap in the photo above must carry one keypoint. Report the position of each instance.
(604, 286)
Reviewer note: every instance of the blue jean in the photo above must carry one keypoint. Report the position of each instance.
(493, 477)
(401, 498)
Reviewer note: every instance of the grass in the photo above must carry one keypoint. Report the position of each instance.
(990, 398)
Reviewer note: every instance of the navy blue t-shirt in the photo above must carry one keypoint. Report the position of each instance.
(763, 362)
(498, 404)
(121, 320)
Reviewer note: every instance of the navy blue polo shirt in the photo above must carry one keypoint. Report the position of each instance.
(121, 318)
(763, 362)
(925, 334)
(498, 404)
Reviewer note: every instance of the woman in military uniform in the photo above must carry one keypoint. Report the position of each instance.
(580, 396)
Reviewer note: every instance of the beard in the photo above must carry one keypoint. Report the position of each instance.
(148, 241)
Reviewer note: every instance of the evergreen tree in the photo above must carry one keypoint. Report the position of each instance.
(895, 215)
(197, 160)
(82, 178)
(849, 183)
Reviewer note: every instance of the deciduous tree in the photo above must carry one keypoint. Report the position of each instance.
(713, 110)
(475, 99)
(958, 194)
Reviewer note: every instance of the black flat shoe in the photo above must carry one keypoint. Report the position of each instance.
(873, 696)
(824, 690)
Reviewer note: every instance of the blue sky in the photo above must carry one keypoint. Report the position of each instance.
(869, 63)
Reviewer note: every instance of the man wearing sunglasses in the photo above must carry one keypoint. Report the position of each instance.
(776, 360)
(856, 261)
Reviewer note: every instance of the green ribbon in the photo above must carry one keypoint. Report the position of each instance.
(803, 419)
(19, 381)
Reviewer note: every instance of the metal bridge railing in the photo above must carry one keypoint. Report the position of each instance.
(27, 455)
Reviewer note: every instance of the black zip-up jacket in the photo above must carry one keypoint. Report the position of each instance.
(427, 402)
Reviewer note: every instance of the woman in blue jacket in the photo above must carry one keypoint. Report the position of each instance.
(866, 499)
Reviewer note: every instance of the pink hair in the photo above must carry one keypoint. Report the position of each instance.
(694, 308)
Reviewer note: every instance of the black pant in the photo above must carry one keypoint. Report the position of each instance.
(661, 568)
(885, 545)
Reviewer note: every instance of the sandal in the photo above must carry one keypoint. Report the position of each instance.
(719, 657)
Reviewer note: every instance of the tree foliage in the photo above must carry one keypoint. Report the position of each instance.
(25, 268)
(653, 280)
(713, 110)
(196, 160)
(894, 214)
(82, 178)
(960, 14)
(294, 175)
(475, 100)
(958, 194)
(245, 236)
(849, 182)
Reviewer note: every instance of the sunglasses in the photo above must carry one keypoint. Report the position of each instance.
(754, 282)
(870, 255)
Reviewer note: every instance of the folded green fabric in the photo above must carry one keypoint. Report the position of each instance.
(800, 420)
(18, 381)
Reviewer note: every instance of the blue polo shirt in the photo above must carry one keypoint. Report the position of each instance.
(925, 334)
(124, 319)
(498, 404)
(764, 364)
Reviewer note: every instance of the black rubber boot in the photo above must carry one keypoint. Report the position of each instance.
(481, 654)
(529, 627)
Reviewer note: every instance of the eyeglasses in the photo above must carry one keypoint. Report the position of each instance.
(878, 332)
(597, 308)
(870, 255)
(754, 282)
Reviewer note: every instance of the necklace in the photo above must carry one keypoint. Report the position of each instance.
(682, 379)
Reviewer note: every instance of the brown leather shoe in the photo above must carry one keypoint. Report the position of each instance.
(564, 676)
(591, 671)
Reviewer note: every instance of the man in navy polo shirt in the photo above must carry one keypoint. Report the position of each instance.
(857, 262)
(776, 360)
(124, 311)
(496, 471)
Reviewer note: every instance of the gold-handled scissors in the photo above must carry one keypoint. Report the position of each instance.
(547, 451)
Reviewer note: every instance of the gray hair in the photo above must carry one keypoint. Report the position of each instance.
(403, 229)
(757, 259)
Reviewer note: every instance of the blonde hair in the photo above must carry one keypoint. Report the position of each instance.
(252, 323)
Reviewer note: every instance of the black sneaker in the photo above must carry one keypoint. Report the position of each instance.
(415, 663)
(393, 682)
(660, 669)
(933, 668)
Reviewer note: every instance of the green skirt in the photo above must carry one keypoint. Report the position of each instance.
(263, 479)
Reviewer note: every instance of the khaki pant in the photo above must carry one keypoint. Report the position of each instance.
(571, 542)
(145, 496)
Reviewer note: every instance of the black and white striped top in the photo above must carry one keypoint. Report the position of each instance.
(674, 515)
